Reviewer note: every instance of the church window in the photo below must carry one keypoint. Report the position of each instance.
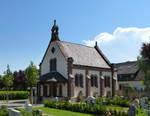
(53, 50)
(94, 82)
(79, 80)
(107, 81)
(53, 64)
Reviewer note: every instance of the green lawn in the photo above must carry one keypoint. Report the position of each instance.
(57, 112)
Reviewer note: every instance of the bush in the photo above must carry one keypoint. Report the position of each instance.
(117, 101)
(13, 95)
(79, 107)
(141, 112)
(3, 111)
(97, 109)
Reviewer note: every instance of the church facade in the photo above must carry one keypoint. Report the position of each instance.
(72, 70)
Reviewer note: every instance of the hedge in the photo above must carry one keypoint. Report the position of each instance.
(119, 101)
(3, 111)
(13, 95)
(96, 109)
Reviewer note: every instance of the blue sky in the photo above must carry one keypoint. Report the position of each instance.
(119, 26)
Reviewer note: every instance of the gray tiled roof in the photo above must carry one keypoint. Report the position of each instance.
(129, 71)
(83, 55)
(127, 67)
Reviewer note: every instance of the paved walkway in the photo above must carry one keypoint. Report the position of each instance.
(17, 103)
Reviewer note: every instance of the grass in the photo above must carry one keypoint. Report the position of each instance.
(57, 112)
(141, 112)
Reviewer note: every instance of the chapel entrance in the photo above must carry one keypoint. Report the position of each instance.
(53, 89)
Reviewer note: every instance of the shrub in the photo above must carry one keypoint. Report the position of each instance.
(3, 111)
(141, 112)
(99, 100)
(79, 107)
(97, 109)
(117, 101)
(13, 95)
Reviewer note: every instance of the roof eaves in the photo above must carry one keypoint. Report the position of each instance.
(102, 55)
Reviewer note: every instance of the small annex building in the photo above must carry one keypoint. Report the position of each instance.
(130, 77)
(71, 70)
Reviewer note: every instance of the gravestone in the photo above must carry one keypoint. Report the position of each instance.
(28, 107)
(57, 99)
(132, 110)
(136, 102)
(13, 112)
(144, 102)
(91, 100)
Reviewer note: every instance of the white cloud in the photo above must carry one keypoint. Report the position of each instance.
(123, 34)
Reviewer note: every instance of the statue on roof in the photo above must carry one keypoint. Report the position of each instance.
(54, 30)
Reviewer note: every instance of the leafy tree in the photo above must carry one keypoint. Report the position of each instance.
(20, 82)
(144, 63)
(8, 78)
(1, 82)
(32, 76)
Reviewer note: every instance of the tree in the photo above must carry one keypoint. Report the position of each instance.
(144, 63)
(8, 78)
(32, 76)
(1, 82)
(20, 82)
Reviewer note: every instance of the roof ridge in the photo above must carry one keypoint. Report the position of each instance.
(77, 44)
(127, 62)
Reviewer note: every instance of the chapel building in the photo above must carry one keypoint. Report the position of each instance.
(71, 70)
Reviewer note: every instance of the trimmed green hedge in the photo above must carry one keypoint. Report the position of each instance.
(119, 101)
(96, 109)
(14, 95)
(3, 111)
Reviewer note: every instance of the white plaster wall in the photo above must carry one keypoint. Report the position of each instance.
(95, 89)
(61, 61)
(115, 77)
(136, 84)
(78, 89)
(64, 90)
